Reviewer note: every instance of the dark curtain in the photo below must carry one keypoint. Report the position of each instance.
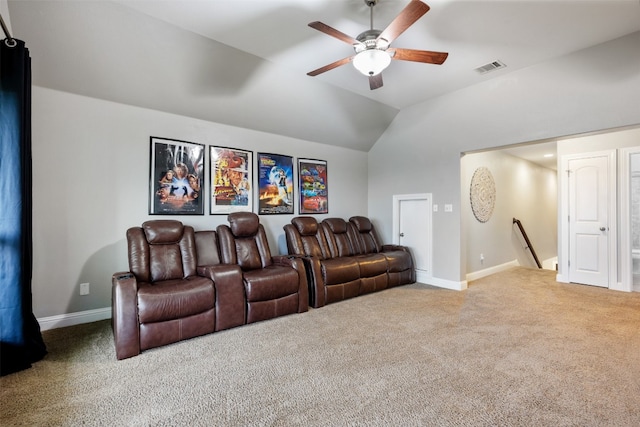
(20, 339)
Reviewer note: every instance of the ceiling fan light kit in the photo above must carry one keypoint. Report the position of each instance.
(371, 62)
(372, 53)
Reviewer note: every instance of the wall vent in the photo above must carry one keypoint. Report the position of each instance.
(495, 65)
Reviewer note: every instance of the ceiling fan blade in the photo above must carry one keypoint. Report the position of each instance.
(410, 14)
(330, 66)
(324, 28)
(426, 56)
(375, 82)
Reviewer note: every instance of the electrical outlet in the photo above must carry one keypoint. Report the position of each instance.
(448, 208)
(481, 258)
(84, 289)
(435, 208)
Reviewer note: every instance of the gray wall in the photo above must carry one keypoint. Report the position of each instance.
(420, 151)
(91, 162)
(91, 180)
(525, 191)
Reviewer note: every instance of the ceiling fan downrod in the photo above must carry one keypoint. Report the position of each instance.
(368, 38)
(371, 3)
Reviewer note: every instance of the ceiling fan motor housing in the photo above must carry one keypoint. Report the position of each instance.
(369, 40)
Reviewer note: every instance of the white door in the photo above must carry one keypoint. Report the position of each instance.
(589, 234)
(412, 228)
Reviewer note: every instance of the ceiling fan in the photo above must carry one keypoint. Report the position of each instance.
(372, 47)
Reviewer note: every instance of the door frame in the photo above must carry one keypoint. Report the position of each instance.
(626, 263)
(563, 215)
(397, 198)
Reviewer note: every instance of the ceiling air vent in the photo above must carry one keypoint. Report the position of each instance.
(495, 65)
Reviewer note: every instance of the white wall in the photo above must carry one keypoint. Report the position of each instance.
(525, 191)
(622, 138)
(91, 180)
(420, 151)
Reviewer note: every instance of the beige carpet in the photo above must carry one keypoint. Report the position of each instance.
(515, 349)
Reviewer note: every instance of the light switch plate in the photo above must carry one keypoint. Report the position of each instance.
(84, 289)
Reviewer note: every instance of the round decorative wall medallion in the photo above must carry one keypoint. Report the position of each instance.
(483, 194)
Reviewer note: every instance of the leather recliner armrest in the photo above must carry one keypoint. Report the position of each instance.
(297, 264)
(316, 283)
(231, 303)
(124, 316)
(386, 248)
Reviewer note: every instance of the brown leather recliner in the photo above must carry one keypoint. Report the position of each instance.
(331, 278)
(161, 299)
(401, 268)
(274, 285)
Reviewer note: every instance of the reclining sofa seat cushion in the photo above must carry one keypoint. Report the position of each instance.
(373, 267)
(401, 270)
(330, 279)
(163, 300)
(272, 289)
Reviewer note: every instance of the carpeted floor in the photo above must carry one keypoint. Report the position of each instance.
(515, 349)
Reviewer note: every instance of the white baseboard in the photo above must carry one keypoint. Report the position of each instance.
(70, 319)
(618, 286)
(492, 270)
(550, 264)
(423, 277)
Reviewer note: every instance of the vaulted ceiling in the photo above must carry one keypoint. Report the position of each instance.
(244, 62)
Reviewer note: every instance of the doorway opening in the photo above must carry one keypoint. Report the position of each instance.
(630, 218)
(526, 195)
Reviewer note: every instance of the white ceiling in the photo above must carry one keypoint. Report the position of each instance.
(542, 153)
(520, 33)
(276, 48)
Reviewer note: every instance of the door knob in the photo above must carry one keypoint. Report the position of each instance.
(603, 228)
(401, 234)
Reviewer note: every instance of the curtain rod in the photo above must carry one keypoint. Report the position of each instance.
(10, 41)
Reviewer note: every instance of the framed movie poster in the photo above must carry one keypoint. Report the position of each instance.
(275, 183)
(177, 176)
(231, 177)
(312, 182)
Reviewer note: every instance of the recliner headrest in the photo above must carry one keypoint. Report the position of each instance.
(363, 224)
(163, 231)
(243, 224)
(306, 225)
(337, 225)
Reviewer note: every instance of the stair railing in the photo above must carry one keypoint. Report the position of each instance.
(526, 239)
